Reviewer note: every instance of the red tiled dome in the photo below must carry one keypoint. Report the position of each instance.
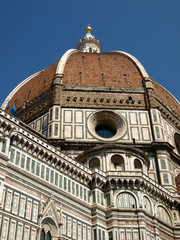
(115, 69)
(101, 69)
(34, 87)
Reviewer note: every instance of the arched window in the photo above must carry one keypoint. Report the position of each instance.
(94, 163)
(90, 50)
(117, 162)
(48, 237)
(147, 205)
(49, 229)
(105, 131)
(137, 165)
(177, 141)
(45, 236)
(126, 200)
(163, 215)
(42, 235)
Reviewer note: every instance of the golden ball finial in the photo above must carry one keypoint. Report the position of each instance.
(88, 28)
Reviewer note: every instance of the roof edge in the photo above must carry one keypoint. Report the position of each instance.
(136, 61)
(175, 99)
(8, 98)
(63, 60)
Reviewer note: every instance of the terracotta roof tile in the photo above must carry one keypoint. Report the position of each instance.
(34, 87)
(106, 69)
(166, 96)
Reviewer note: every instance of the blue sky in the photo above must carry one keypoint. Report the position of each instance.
(34, 34)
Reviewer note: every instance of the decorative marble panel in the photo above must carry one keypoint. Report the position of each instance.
(5, 226)
(15, 205)
(78, 116)
(74, 229)
(8, 201)
(69, 227)
(79, 231)
(128, 235)
(67, 131)
(84, 232)
(33, 234)
(155, 116)
(26, 232)
(135, 235)
(122, 235)
(143, 118)
(133, 118)
(89, 234)
(19, 232)
(145, 134)
(28, 209)
(64, 225)
(78, 132)
(126, 136)
(135, 133)
(68, 116)
(22, 206)
(12, 230)
(35, 212)
(88, 135)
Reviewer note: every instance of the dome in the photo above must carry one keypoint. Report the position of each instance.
(88, 69)
(111, 69)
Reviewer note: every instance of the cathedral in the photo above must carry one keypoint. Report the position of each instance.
(90, 150)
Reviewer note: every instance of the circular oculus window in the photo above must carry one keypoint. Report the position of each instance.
(106, 125)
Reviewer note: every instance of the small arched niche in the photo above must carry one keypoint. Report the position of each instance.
(48, 229)
(94, 163)
(177, 142)
(147, 205)
(126, 200)
(137, 165)
(90, 50)
(163, 215)
(117, 163)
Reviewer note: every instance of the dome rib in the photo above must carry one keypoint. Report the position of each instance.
(136, 61)
(63, 60)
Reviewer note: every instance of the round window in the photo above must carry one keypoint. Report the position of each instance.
(106, 125)
(105, 131)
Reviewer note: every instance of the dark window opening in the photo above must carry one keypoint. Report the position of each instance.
(110, 236)
(94, 163)
(118, 162)
(105, 131)
(45, 236)
(137, 165)
(95, 234)
(42, 235)
(48, 236)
